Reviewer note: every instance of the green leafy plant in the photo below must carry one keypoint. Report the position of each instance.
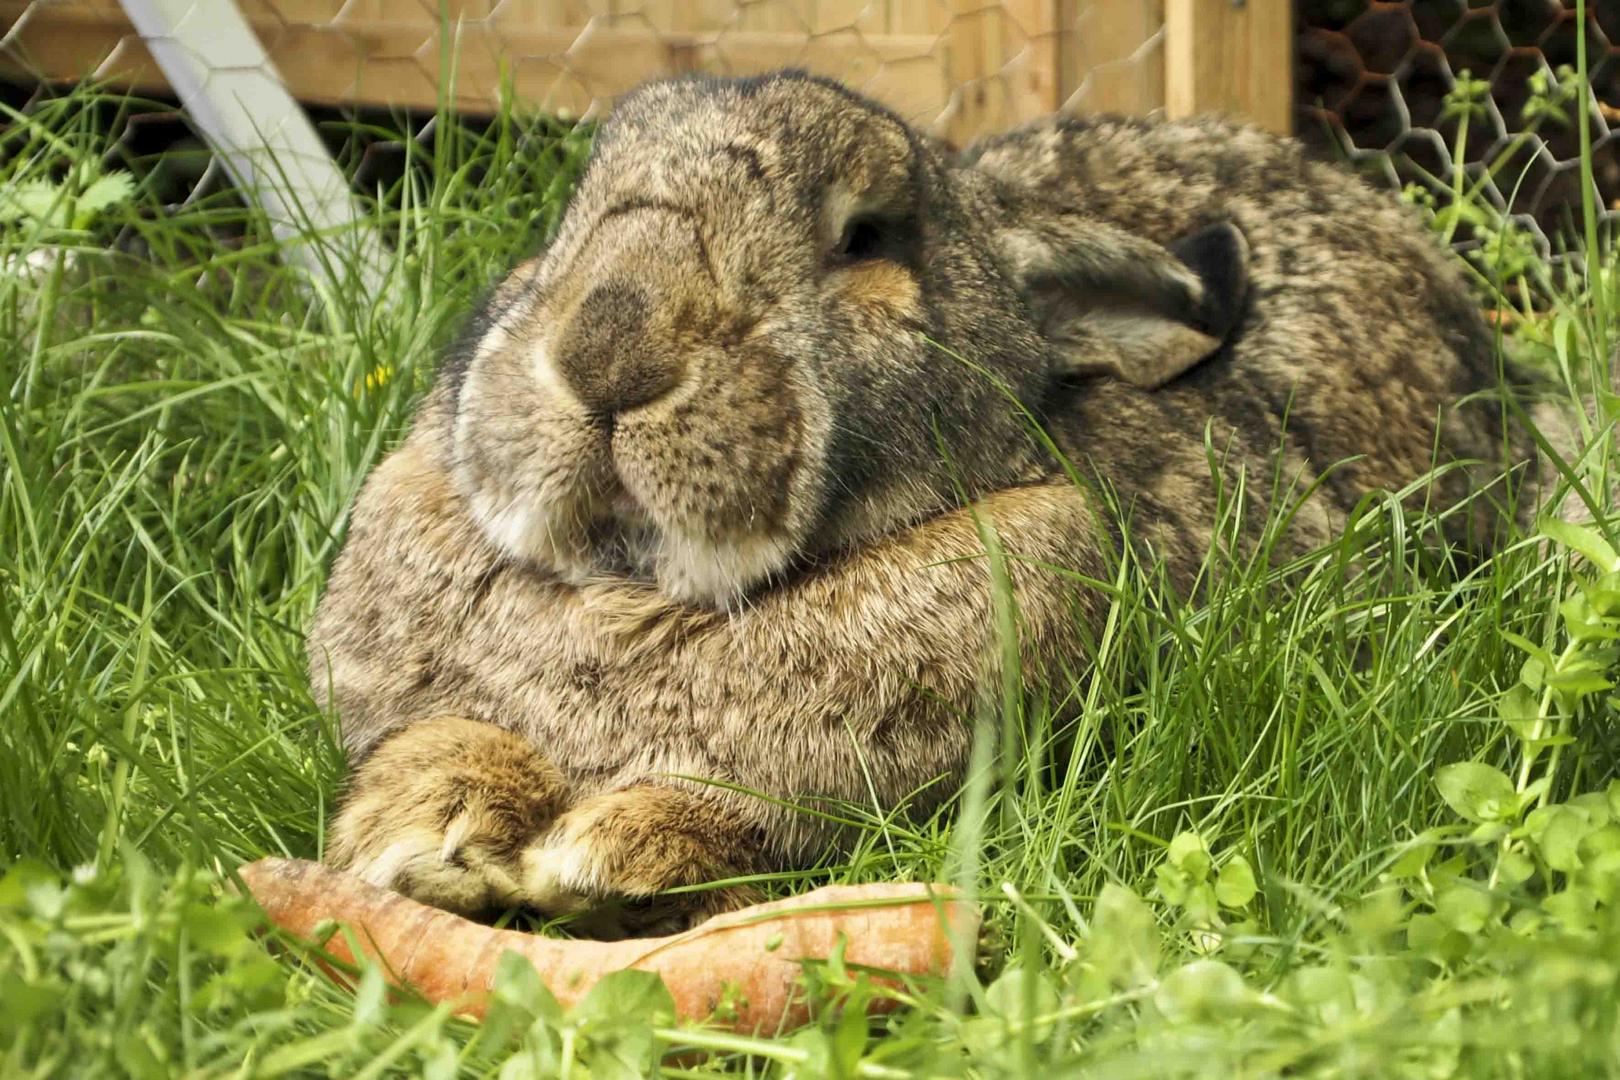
(71, 205)
(1503, 255)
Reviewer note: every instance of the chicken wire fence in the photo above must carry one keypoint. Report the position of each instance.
(1399, 88)
(373, 73)
(1405, 89)
(956, 68)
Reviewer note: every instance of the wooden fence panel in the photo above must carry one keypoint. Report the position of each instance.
(959, 67)
(1111, 56)
(1230, 58)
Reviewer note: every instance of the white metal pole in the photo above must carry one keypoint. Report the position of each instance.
(232, 91)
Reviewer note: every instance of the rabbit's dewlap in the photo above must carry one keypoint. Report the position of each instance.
(770, 307)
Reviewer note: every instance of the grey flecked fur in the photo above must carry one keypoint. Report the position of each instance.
(678, 505)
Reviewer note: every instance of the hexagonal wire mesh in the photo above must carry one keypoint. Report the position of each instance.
(1372, 75)
(1373, 80)
(956, 68)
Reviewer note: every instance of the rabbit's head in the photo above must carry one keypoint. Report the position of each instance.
(776, 321)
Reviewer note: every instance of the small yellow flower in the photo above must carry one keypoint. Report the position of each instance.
(375, 380)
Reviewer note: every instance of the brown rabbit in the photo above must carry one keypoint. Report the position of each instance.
(693, 510)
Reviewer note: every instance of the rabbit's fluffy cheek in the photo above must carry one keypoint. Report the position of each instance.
(709, 492)
(729, 478)
(535, 482)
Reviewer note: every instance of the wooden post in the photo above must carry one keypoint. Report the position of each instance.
(1002, 61)
(1233, 57)
(1108, 62)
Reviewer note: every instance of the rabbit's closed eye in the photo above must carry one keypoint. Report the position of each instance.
(874, 236)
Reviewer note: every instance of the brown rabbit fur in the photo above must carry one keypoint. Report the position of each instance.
(701, 494)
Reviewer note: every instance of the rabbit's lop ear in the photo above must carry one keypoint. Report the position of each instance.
(1117, 304)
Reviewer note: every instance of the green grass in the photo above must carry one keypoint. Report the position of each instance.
(183, 429)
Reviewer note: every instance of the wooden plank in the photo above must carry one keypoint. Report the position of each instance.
(963, 67)
(1002, 60)
(1035, 91)
(69, 43)
(836, 16)
(396, 62)
(1230, 58)
(1112, 56)
(916, 87)
(915, 17)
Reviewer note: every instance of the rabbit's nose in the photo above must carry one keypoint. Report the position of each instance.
(609, 355)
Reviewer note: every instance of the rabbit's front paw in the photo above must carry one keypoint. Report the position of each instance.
(613, 857)
(442, 811)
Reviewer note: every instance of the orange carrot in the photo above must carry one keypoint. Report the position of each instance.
(753, 953)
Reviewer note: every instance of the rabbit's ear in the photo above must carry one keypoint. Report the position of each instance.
(1119, 305)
